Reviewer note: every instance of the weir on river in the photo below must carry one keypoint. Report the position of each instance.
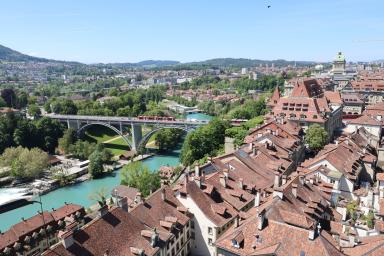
(80, 193)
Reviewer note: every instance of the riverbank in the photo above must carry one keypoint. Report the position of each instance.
(80, 193)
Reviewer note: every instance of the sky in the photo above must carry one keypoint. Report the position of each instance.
(93, 31)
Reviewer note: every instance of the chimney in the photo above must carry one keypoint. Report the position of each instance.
(202, 176)
(301, 179)
(123, 203)
(277, 132)
(223, 180)
(197, 170)
(66, 238)
(294, 190)
(257, 198)
(250, 146)
(103, 211)
(106, 253)
(284, 179)
(311, 234)
(260, 220)
(254, 151)
(163, 194)
(311, 180)
(154, 238)
(241, 183)
(351, 240)
(226, 173)
(138, 198)
(237, 221)
(277, 179)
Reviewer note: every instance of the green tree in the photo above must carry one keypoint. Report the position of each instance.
(82, 149)
(167, 139)
(95, 167)
(24, 163)
(370, 219)
(49, 132)
(65, 142)
(237, 133)
(206, 140)
(137, 175)
(316, 137)
(34, 110)
(26, 134)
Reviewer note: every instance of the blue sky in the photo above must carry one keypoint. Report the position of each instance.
(193, 30)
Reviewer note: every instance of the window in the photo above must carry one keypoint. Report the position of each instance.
(192, 224)
(210, 230)
(209, 241)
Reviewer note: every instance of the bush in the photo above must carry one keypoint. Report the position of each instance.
(24, 163)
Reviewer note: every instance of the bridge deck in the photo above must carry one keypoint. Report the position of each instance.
(126, 120)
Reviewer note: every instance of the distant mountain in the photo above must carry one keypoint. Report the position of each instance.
(146, 64)
(7, 54)
(157, 63)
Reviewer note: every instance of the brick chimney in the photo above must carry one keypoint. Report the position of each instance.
(294, 189)
(163, 194)
(237, 221)
(277, 182)
(223, 180)
(241, 183)
(283, 179)
(260, 220)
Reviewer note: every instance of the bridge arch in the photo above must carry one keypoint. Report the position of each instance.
(84, 127)
(147, 136)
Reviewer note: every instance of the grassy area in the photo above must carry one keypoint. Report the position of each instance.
(112, 141)
(117, 146)
(100, 134)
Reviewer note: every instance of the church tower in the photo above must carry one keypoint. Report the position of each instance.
(339, 64)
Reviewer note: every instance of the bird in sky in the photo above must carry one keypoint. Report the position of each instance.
(269, 6)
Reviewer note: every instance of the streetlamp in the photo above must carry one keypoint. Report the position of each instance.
(37, 194)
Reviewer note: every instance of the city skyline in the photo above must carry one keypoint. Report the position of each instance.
(92, 32)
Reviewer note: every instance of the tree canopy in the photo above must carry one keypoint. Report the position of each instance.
(316, 137)
(137, 175)
(24, 162)
(206, 140)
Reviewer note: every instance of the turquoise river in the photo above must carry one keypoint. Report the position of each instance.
(80, 193)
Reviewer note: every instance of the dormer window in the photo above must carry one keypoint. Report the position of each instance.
(235, 244)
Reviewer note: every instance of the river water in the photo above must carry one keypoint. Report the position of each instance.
(80, 193)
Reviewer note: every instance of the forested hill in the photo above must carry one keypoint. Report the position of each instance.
(7, 54)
